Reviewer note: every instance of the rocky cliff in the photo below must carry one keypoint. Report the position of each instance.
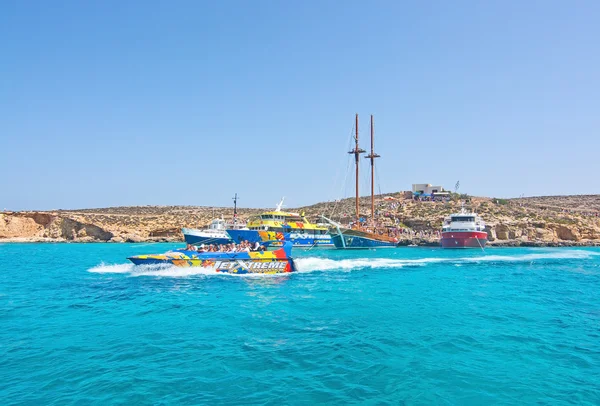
(534, 221)
(554, 220)
(118, 224)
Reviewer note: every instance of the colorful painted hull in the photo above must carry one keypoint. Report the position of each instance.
(356, 239)
(297, 239)
(463, 239)
(267, 262)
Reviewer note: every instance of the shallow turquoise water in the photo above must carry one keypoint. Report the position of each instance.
(400, 326)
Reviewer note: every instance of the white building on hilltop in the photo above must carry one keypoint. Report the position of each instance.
(427, 189)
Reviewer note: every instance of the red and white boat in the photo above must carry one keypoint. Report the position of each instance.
(463, 230)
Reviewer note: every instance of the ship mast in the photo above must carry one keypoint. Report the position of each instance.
(356, 151)
(235, 198)
(372, 157)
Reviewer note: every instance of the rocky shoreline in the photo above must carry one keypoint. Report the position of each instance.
(402, 243)
(554, 221)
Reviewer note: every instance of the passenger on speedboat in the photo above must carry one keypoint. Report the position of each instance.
(243, 246)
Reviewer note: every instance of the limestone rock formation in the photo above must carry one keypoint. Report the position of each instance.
(554, 220)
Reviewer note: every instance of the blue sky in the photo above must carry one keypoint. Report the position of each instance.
(109, 103)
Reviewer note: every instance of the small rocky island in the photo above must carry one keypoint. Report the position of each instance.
(532, 221)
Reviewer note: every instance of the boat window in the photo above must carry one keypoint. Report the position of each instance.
(463, 218)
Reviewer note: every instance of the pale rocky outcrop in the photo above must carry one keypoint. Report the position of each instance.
(534, 221)
(567, 233)
(70, 229)
(502, 232)
(14, 226)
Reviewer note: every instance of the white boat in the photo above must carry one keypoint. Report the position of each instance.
(215, 233)
(463, 230)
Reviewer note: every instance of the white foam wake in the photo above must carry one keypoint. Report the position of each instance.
(549, 255)
(163, 270)
(312, 264)
(316, 264)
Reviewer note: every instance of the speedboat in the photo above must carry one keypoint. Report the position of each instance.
(283, 226)
(271, 261)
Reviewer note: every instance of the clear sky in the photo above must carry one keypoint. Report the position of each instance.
(109, 103)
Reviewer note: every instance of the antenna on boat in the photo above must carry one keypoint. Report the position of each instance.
(356, 151)
(235, 199)
(280, 204)
(372, 157)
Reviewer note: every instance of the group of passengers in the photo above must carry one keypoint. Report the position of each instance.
(243, 246)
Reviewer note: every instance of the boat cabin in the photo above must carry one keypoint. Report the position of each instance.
(283, 222)
(217, 224)
(463, 222)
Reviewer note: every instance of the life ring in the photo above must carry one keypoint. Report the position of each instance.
(279, 236)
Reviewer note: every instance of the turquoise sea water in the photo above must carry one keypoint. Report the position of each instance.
(78, 325)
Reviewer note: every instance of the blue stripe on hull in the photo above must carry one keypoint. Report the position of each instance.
(196, 239)
(148, 261)
(355, 242)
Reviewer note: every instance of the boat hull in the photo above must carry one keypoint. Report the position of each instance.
(323, 240)
(347, 241)
(463, 239)
(267, 262)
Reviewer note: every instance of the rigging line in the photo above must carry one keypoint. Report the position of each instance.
(377, 177)
(479, 242)
(337, 173)
(344, 186)
(313, 246)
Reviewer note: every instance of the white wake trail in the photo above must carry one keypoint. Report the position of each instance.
(312, 264)
(317, 264)
(171, 271)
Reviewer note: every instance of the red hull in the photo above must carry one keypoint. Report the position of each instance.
(463, 239)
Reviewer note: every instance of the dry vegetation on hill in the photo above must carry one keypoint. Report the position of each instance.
(551, 220)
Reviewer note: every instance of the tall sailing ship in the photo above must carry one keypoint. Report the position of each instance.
(358, 236)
